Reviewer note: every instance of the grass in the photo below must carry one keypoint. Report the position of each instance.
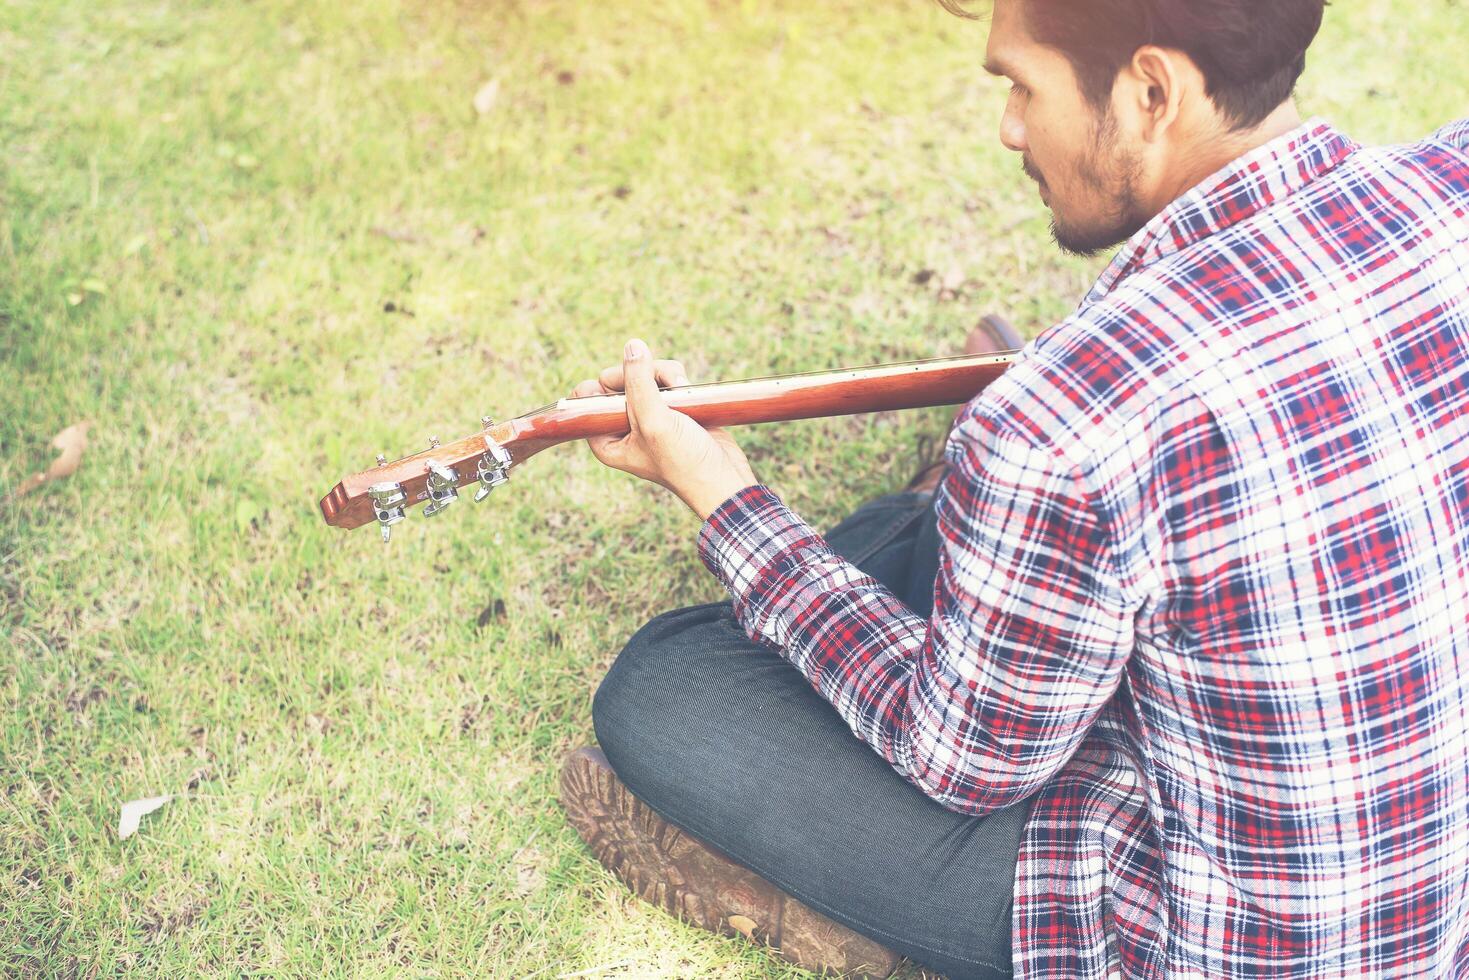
(258, 242)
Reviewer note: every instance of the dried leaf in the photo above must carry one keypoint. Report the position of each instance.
(72, 442)
(488, 94)
(135, 810)
(494, 612)
(742, 924)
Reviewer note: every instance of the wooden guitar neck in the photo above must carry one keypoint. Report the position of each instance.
(435, 475)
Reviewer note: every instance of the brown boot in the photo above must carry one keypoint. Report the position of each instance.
(690, 880)
(990, 335)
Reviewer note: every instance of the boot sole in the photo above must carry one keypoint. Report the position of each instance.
(692, 881)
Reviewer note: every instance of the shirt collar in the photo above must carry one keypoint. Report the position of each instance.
(1243, 187)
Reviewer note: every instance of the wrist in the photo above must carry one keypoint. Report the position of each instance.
(705, 498)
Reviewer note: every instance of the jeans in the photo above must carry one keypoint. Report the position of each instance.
(728, 741)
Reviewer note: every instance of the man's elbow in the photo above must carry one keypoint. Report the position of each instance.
(956, 783)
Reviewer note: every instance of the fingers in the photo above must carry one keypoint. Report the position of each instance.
(672, 373)
(669, 373)
(644, 408)
(640, 377)
(609, 450)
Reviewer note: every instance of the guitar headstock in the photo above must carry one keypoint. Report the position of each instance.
(432, 478)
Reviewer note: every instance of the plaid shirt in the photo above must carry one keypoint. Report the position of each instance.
(1203, 590)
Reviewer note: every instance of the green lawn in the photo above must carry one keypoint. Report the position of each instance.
(259, 242)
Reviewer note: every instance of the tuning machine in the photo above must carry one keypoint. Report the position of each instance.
(387, 504)
(442, 487)
(493, 468)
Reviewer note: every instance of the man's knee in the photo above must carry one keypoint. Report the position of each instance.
(615, 706)
(647, 682)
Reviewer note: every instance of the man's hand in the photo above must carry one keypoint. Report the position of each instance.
(702, 466)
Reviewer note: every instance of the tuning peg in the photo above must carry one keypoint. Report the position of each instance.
(382, 460)
(486, 421)
(443, 488)
(387, 505)
(492, 469)
(433, 442)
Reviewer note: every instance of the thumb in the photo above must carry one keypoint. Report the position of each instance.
(644, 405)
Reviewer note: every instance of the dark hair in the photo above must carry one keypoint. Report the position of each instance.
(1250, 51)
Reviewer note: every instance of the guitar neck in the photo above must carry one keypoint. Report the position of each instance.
(817, 394)
(487, 456)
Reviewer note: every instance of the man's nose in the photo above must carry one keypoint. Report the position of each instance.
(1012, 128)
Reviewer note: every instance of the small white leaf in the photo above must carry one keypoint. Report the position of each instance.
(484, 99)
(135, 810)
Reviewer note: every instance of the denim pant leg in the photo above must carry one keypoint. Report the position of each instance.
(728, 741)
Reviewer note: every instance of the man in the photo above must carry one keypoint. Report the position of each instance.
(1191, 691)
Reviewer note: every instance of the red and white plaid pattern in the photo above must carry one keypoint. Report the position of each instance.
(1203, 588)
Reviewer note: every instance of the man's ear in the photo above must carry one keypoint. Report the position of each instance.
(1152, 87)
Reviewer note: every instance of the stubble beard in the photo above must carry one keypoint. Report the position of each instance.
(1113, 172)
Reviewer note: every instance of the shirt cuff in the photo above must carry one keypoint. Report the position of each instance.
(751, 534)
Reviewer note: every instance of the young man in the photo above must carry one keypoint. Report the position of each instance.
(1178, 663)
